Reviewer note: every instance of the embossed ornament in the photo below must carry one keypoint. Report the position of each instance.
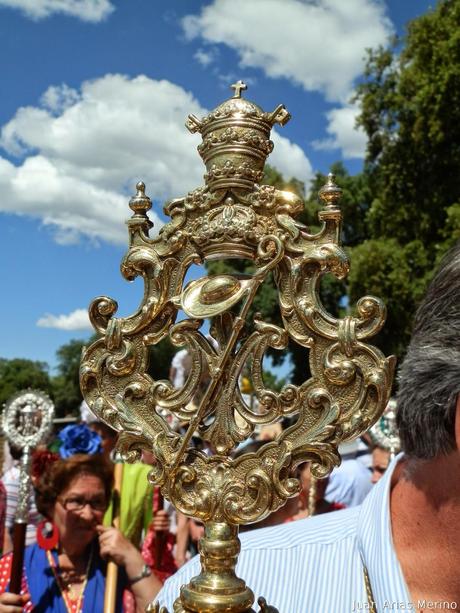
(234, 216)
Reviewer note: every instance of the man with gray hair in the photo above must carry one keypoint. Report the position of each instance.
(425, 499)
(400, 549)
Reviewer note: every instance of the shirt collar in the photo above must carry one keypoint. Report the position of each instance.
(375, 541)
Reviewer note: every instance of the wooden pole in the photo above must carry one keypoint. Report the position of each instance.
(160, 535)
(110, 594)
(19, 539)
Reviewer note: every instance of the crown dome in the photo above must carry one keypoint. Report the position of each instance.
(236, 140)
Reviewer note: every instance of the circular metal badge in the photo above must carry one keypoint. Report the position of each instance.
(28, 418)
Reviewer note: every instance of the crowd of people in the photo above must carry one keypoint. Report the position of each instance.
(359, 552)
(69, 536)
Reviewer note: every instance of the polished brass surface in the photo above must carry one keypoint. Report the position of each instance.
(209, 297)
(217, 585)
(234, 216)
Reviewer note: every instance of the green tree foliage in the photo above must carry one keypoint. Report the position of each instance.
(397, 274)
(410, 111)
(160, 357)
(18, 375)
(66, 385)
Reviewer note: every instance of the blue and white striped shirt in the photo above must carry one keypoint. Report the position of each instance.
(316, 565)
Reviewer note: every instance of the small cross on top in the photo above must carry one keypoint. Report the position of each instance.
(238, 87)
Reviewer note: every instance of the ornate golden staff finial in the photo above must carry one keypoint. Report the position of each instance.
(140, 203)
(234, 216)
(330, 193)
(27, 421)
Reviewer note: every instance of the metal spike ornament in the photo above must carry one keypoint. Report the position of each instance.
(234, 216)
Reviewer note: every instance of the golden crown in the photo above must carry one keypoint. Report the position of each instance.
(236, 140)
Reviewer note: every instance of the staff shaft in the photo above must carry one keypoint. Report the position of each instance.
(20, 520)
(110, 594)
(19, 539)
(160, 535)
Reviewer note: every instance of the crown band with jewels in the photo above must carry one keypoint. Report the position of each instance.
(236, 140)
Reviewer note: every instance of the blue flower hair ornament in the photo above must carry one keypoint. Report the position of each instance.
(78, 439)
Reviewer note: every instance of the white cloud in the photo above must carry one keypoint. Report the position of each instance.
(343, 134)
(58, 98)
(77, 320)
(205, 57)
(319, 44)
(289, 159)
(82, 152)
(87, 10)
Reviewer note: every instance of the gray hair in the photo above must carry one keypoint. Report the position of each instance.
(429, 379)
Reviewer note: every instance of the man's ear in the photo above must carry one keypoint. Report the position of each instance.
(457, 423)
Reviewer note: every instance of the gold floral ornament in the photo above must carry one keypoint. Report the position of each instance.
(233, 216)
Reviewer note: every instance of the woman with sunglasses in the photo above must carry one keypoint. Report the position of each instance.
(64, 572)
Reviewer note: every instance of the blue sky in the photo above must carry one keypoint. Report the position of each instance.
(94, 97)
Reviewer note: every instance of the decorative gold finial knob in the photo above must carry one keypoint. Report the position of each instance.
(140, 203)
(239, 86)
(330, 193)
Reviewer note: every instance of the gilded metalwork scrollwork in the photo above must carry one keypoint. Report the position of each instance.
(233, 216)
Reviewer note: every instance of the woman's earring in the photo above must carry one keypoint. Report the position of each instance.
(47, 535)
